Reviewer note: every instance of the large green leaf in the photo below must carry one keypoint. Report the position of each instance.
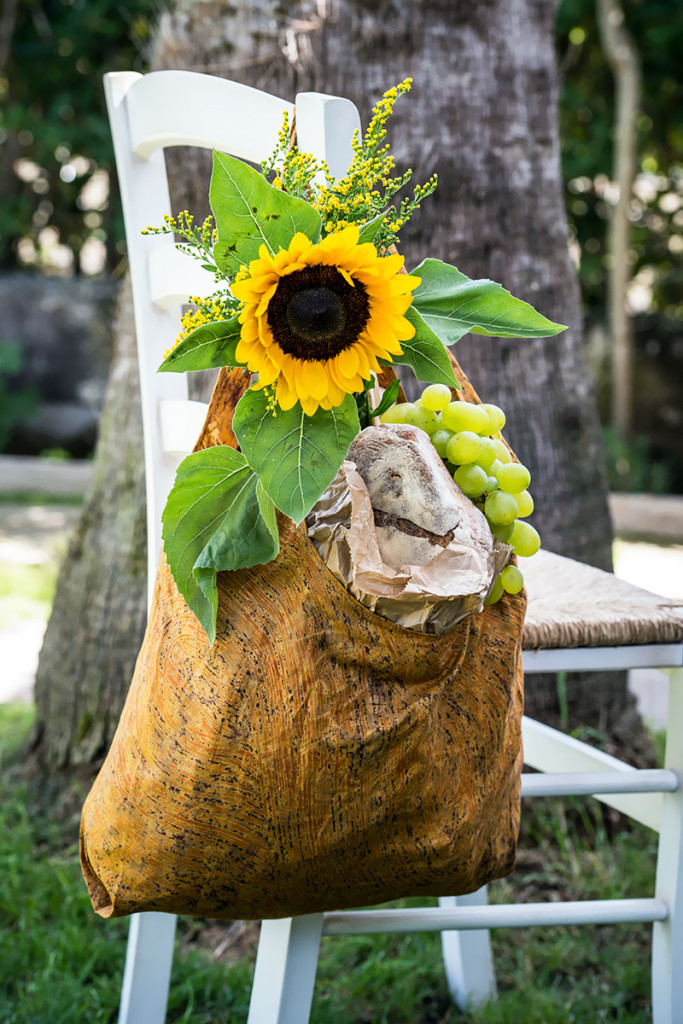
(426, 354)
(452, 305)
(295, 456)
(250, 213)
(209, 346)
(213, 520)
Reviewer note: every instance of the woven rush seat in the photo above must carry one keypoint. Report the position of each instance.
(575, 605)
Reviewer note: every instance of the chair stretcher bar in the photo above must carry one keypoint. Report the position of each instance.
(520, 915)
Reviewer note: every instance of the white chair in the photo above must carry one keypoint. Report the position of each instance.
(180, 108)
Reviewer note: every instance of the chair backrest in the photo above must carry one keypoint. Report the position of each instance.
(181, 108)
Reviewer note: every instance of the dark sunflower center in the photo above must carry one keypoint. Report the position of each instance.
(315, 313)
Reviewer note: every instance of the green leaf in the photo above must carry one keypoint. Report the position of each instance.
(295, 456)
(267, 507)
(426, 354)
(368, 231)
(213, 521)
(452, 305)
(250, 213)
(388, 398)
(209, 346)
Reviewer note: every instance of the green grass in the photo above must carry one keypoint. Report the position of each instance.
(26, 591)
(61, 963)
(39, 498)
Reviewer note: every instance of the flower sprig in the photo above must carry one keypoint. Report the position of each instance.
(219, 306)
(197, 240)
(310, 299)
(367, 189)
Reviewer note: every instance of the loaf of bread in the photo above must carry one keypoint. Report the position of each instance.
(418, 506)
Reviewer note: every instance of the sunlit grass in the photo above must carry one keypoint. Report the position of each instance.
(26, 591)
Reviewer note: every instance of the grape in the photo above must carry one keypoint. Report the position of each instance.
(440, 439)
(491, 483)
(525, 539)
(464, 447)
(496, 418)
(496, 592)
(512, 579)
(395, 413)
(500, 508)
(488, 453)
(501, 532)
(471, 480)
(425, 419)
(493, 470)
(513, 477)
(436, 397)
(525, 504)
(464, 416)
(503, 451)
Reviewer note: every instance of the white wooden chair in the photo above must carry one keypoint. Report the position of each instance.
(170, 108)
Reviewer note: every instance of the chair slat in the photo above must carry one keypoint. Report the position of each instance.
(184, 108)
(516, 915)
(653, 780)
(181, 424)
(174, 277)
(548, 750)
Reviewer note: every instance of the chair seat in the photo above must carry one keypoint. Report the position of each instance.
(577, 605)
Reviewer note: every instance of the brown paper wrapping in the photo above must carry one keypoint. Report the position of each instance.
(430, 598)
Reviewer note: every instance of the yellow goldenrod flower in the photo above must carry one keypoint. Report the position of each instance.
(317, 318)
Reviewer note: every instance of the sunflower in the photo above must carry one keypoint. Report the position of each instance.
(317, 318)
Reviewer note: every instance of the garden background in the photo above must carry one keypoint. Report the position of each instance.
(64, 325)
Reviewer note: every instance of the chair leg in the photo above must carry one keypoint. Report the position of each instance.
(148, 969)
(467, 957)
(667, 936)
(286, 963)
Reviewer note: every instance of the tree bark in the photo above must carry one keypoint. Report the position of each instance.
(622, 56)
(483, 114)
(98, 618)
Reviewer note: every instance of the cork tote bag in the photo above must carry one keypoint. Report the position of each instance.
(316, 757)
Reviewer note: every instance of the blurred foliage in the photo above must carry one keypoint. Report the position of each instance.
(54, 136)
(586, 128)
(56, 153)
(16, 404)
(633, 465)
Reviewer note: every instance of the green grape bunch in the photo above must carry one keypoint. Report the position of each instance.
(468, 438)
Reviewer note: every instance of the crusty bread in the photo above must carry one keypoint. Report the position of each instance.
(419, 507)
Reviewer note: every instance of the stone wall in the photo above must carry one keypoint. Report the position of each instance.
(62, 327)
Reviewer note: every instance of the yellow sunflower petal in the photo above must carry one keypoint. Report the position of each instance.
(299, 245)
(348, 361)
(268, 372)
(334, 248)
(347, 277)
(309, 405)
(264, 333)
(244, 352)
(285, 396)
(312, 379)
(265, 299)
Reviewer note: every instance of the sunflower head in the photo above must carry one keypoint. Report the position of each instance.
(318, 317)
